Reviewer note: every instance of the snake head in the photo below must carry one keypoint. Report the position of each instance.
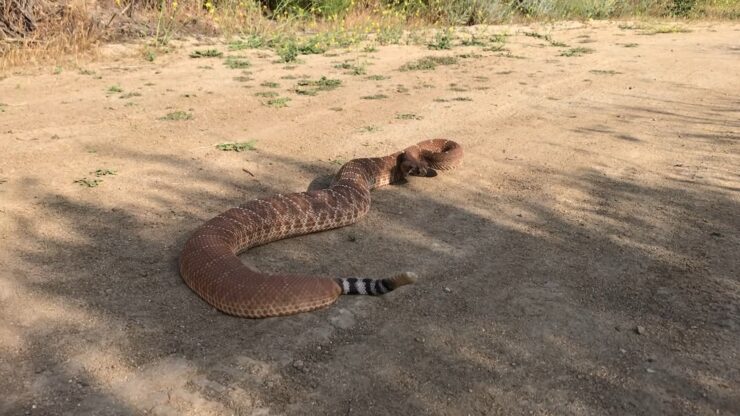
(416, 167)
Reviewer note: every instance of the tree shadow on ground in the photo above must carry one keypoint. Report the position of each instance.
(528, 303)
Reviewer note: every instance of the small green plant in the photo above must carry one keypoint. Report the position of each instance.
(86, 72)
(377, 77)
(266, 94)
(104, 172)
(88, 183)
(630, 45)
(442, 40)
(547, 38)
(499, 37)
(2, 107)
(408, 116)
(130, 95)
(177, 116)
(462, 99)
(579, 51)
(374, 97)
(278, 102)
(250, 42)
(288, 51)
(309, 87)
(270, 84)
(370, 129)
(115, 89)
(369, 49)
(149, 55)
(243, 78)
(237, 147)
(234, 62)
(206, 53)
(428, 63)
(604, 72)
(473, 41)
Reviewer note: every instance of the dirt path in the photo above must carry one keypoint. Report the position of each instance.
(600, 194)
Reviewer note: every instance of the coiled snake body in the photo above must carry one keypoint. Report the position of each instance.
(210, 266)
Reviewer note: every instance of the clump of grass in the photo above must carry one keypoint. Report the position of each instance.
(278, 102)
(370, 49)
(311, 87)
(473, 41)
(408, 116)
(206, 53)
(604, 72)
(374, 97)
(250, 42)
(177, 116)
(266, 94)
(546, 38)
(243, 78)
(130, 95)
(377, 77)
(579, 51)
(234, 62)
(88, 183)
(270, 84)
(428, 63)
(370, 129)
(664, 29)
(442, 40)
(631, 45)
(237, 147)
(115, 89)
(462, 99)
(468, 55)
(104, 172)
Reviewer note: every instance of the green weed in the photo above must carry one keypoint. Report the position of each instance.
(270, 84)
(88, 183)
(206, 53)
(278, 102)
(177, 116)
(408, 116)
(428, 63)
(442, 40)
(237, 147)
(115, 89)
(374, 97)
(579, 51)
(234, 62)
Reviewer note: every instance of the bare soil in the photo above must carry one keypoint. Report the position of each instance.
(585, 259)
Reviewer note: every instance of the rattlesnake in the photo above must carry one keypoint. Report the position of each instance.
(210, 266)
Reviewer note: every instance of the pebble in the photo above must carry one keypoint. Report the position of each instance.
(650, 370)
(640, 330)
(447, 289)
(298, 364)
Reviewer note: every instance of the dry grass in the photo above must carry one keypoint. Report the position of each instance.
(68, 31)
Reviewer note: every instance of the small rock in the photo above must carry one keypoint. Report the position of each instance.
(623, 351)
(447, 289)
(298, 364)
(640, 330)
(650, 370)
(419, 339)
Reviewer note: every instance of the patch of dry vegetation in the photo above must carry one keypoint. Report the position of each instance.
(55, 30)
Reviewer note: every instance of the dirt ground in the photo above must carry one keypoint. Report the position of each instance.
(584, 260)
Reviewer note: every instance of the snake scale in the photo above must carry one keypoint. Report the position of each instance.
(210, 266)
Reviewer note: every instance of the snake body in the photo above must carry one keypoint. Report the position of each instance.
(210, 267)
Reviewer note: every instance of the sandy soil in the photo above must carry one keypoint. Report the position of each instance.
(599, 195)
